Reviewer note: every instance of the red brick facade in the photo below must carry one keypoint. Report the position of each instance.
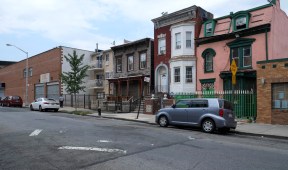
(13, 75)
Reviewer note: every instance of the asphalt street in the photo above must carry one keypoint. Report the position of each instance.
(49, 140)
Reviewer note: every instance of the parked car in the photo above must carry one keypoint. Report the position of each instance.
(209, 114)
(43, 104)
(12, 101)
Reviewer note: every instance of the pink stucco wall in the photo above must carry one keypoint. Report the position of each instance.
(278, 40)
(277, 43)
(221, 61)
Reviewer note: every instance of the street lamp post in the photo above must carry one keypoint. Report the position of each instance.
(26, 73)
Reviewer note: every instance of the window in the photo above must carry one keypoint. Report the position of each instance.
(280, 96)
(199, 103)
(176, 75)
(161, 46)
(241, 51)
(240, 23)
(208, 55)
(107, 75)
(189, 74)
(142, 60)
(130, 63)
(208, 62)
(240, 20)
(188, 39)
(119, 64)
(182, 104)
(100, 95)
(178, 40)
(242, 56)
(24, 73)
(247, 60)
(107, 59)
(208, 28)
(30, 72)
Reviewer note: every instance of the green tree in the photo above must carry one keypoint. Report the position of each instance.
(73, 80)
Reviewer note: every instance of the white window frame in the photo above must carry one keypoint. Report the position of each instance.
(162, 46)
(209, 28)
(177, 77)
(178, 40)
(189, 39)
(189, 76)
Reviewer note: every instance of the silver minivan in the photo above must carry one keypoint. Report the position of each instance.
(209, 114)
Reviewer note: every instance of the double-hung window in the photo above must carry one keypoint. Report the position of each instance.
(107, 59)
(130, 63)
(208, 28)
(143, 60)
(119, 64)
(24, 73)
(178, 40)
(242, 56)
(177, 75)
(188, 39)
(30, 72)
(161, 46)
(189, 74)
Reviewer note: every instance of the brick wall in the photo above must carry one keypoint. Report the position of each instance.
(46, 62)
(272, 72)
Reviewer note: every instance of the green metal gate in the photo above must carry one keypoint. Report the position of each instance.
(245, 101)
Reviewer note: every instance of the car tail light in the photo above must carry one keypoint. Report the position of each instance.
(221, 112)
(45, 103)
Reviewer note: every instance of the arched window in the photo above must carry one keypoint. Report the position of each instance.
(208, 55)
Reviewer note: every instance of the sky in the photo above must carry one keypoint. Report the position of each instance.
(36, 26)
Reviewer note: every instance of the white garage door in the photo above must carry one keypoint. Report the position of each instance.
(53, 91)
(39, 91)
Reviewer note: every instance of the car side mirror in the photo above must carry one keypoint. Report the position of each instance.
(173, 106)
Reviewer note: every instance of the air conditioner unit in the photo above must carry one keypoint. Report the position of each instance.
(178, 46)
(162, 52)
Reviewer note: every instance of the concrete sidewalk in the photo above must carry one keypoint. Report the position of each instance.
(255, 129)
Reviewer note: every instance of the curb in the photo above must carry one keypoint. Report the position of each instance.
(235, 132)
(261, 135)
(117, 118)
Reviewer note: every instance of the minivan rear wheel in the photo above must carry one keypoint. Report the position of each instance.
(163, 121)
(208, 125)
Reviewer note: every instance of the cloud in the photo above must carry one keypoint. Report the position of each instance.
(80, 23)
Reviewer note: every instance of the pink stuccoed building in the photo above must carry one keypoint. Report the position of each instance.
(248, 36)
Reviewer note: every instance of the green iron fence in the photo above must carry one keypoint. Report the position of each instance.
(245, 103)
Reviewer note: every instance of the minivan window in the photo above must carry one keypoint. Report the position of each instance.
(199, 103)
(227, 105)
(182, 104)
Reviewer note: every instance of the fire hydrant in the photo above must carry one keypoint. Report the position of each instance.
(99, 111)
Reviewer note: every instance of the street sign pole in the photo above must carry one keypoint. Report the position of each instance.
(233, 69)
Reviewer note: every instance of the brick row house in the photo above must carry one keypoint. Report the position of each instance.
(44, 72)
(133, 63)
(174, 49)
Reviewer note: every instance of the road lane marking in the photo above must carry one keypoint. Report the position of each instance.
(35, 132)
(191, 138)
(103, 141)
(92, 149)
